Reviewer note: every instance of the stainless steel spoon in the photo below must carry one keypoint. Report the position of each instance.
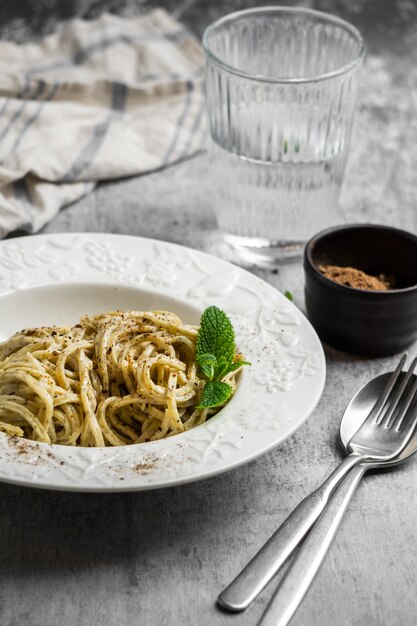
(261, 569)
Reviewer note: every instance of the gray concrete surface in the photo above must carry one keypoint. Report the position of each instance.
(161, 558)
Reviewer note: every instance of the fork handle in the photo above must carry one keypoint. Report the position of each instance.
(266, 563)
(307, 561)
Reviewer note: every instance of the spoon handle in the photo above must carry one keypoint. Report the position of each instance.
(266, 563)
(307, 561)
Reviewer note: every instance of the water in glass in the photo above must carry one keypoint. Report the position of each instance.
(280, 93)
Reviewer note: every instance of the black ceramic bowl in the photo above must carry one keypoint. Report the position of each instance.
(375, 323)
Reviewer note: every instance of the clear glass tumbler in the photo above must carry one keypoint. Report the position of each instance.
(280, 97)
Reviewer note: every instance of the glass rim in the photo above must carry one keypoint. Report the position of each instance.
(230, 17)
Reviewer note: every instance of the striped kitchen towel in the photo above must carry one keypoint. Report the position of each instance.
(98, 100)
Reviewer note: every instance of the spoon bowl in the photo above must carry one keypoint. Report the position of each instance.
(359, 408)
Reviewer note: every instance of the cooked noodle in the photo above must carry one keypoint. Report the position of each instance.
(113, 379)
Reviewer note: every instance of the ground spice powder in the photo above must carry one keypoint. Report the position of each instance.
(352, 277)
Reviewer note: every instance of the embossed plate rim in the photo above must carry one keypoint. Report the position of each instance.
(278, 394)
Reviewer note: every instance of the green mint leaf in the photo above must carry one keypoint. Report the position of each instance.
(225, 368)
(235, 366)
(222, 368)
(289, 295)
(215, 394)
(216, 335)
(207, 364)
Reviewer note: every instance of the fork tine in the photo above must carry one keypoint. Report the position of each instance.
(409, 431)
(379, 405)
(400, 418)
(386, 419)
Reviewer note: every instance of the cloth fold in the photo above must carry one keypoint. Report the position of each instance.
(100, 100)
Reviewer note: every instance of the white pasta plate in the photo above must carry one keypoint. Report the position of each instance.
(55, 279)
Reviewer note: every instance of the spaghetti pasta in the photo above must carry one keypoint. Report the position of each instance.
(112, 379)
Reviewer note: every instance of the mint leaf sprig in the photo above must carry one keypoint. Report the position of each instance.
(215, 354)
(289, 295)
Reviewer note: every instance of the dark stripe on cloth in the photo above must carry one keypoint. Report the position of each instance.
(22, 194)
(118, 96)
(22, 107)
(4, 107)
(89, 151)
(180, 122)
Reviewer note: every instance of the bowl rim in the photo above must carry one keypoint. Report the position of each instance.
(310, 265)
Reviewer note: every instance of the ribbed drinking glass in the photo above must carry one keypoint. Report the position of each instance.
(280, 98)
